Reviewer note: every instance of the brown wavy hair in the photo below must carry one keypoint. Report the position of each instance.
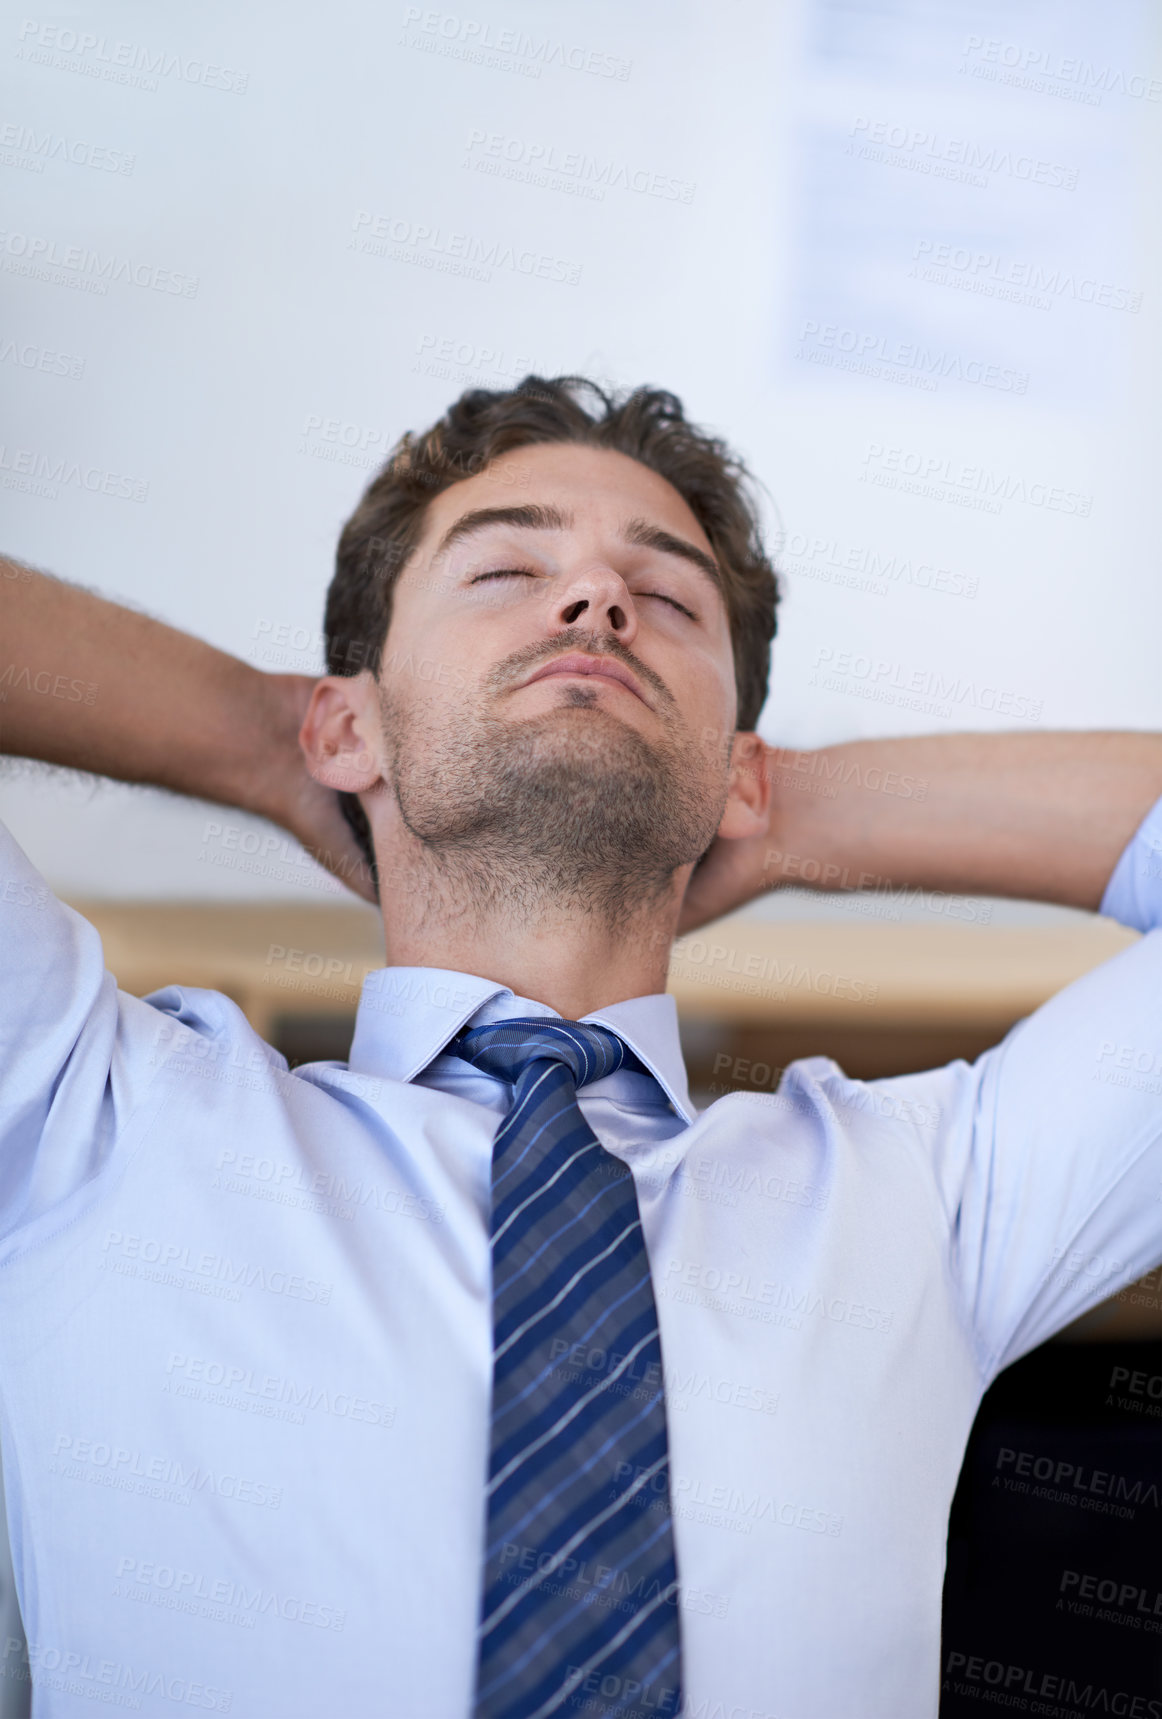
(648, 424)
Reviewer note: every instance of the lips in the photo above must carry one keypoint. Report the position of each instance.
(577, 662)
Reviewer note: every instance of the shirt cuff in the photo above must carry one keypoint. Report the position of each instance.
(1133, 896)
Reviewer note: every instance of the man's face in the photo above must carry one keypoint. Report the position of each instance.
(558, 682)
(477, 595)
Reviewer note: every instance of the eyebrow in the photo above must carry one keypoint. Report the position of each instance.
(532, 517)
(647, 536)
(528, 518)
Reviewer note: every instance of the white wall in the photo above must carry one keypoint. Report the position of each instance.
(779, 179)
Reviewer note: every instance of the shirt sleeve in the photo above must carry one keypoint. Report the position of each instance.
(1133, 895)
(59, 1073)
(1047, 1150)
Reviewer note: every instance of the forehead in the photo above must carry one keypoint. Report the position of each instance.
(600, 488)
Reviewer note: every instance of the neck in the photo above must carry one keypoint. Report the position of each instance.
(575, 949)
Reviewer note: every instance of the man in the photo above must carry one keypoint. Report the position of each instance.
(428, 1436)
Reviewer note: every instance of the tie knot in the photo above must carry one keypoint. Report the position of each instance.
(507, 1048)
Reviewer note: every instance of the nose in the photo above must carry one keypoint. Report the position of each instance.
(598, 598)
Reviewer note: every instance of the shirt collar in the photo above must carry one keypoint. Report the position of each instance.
(408, 1014)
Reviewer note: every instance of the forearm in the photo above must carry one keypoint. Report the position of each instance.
(1040, 816)
(91, 685)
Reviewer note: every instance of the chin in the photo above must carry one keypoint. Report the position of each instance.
(579, 731)
(587, 695)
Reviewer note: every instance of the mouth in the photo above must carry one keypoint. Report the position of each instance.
(599, 668)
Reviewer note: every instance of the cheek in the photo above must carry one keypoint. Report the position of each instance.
(711, 698)
(424, 663)
(426, 692)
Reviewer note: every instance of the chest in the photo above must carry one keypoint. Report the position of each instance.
(247, 1386)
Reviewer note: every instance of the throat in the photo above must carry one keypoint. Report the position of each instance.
(575, 943)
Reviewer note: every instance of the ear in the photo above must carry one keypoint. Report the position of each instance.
(342, 733)
(748, 801)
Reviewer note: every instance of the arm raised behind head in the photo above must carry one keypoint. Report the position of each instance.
(92, 685)
(1041, 817)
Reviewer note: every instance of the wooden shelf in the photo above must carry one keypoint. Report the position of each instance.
(280, 960)
(792, 971)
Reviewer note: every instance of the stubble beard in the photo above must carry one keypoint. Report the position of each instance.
(569, 811)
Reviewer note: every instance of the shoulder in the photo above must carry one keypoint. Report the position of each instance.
(187, 1023)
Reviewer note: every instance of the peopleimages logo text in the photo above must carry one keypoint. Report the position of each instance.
(36, 252)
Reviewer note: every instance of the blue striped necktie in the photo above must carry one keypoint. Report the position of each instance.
(579, 1611)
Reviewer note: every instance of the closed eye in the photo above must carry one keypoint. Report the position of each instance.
(528, 573)
(673, 601)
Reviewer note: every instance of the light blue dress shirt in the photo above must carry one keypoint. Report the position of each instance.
(245, 1327)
